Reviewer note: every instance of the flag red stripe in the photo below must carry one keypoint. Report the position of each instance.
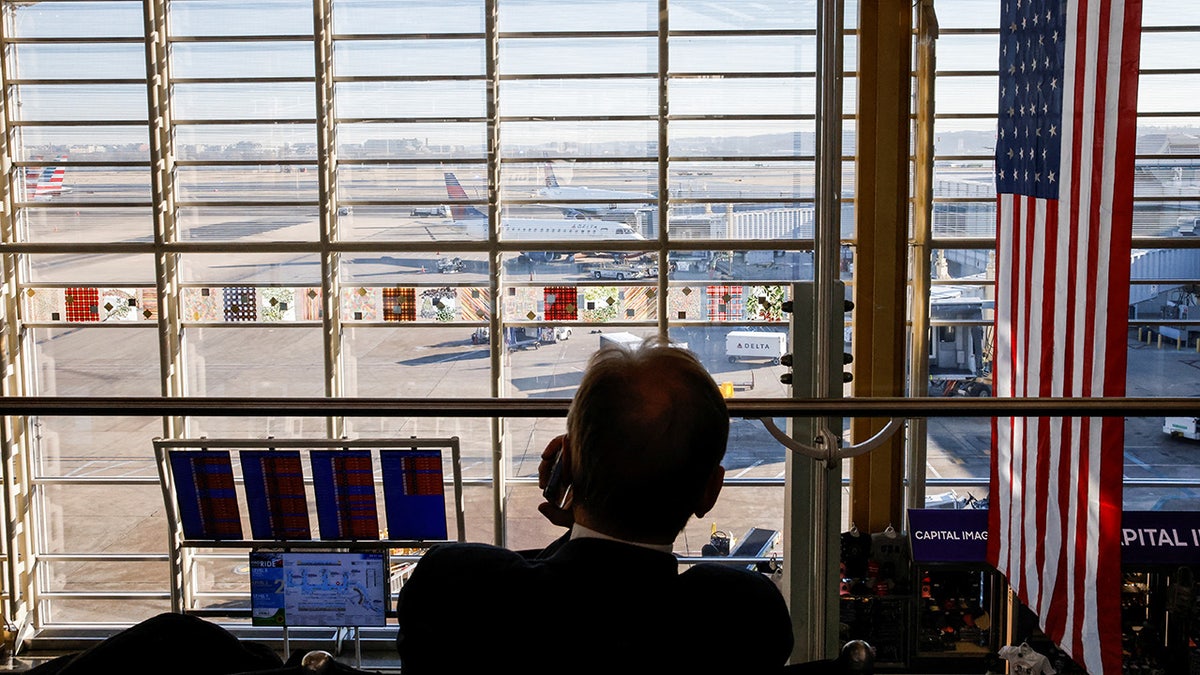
(1025, 328)
(1113, 430)
(1013, 526)
(1000, 479)
(1047, 462)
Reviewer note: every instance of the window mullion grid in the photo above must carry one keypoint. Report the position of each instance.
(20, 583)
(496, 331)
(162, 168)
(327, 194)
(664, 204)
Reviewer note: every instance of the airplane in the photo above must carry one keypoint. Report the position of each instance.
(42, 183)
(596, 202)
(475, 222)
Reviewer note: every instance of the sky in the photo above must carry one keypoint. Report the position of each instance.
(461, 55)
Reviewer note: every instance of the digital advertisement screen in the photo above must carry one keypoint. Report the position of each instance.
(318, 588)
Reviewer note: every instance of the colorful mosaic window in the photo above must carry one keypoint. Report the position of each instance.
(561, 303)
(686, 303)
(90, 304)
(399, 304)
(765, 303)
(475, 304)
(439, 304)
(82, 304)
(240, 303)
(725, 303)
(278, 304)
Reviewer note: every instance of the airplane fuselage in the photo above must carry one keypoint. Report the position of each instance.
(596, 201)
(475, 223)
(550, 229)
(569, 192)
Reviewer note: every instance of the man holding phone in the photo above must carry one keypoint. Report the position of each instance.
(646, 433)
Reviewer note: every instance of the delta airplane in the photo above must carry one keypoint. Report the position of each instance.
(475, 222)
(593, 199)
(42, 183)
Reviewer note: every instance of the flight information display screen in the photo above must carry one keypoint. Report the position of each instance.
(318, 588)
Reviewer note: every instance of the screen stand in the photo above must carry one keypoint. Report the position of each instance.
(345, 632)
(357, 648)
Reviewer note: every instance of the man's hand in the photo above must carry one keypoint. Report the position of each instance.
(558, 512)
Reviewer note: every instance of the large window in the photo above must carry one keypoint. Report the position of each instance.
(220, 198)
(465, 199)
(1165, 268)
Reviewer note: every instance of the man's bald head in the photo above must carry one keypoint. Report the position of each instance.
(647, 429)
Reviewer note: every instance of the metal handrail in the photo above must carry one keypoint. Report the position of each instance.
(882, 406)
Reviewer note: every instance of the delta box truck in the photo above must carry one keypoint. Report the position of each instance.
(749, 344)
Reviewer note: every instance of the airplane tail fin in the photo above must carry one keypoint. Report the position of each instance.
(45, 182)
(551, 180)
(459, 210)
(51, 183)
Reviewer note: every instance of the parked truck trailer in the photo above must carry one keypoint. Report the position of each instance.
(748, 344)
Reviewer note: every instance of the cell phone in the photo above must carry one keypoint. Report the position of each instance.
(553, 491)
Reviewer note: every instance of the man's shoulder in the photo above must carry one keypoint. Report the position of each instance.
(457, 548)
(470, 554)
(464, 569)
(747, 586)
(749, 608)
(725, 573)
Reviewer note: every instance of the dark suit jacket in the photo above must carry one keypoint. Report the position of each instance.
(593, 606)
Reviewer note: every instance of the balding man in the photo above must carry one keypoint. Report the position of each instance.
(646, 434)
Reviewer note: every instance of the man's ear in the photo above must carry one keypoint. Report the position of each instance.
(712, 490)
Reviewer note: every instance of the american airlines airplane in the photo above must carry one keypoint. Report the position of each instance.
(42, 183)
(475, 222)
(594, 201)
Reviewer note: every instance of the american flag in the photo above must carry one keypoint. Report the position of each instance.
(1064, 178)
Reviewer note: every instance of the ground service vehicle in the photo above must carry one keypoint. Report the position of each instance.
(1182, 427)
(449, 265)
(552, 334)
(976, 386)
(619, 272)
(749, 344)
(518, 339)
(626, 339)
(630, 340)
